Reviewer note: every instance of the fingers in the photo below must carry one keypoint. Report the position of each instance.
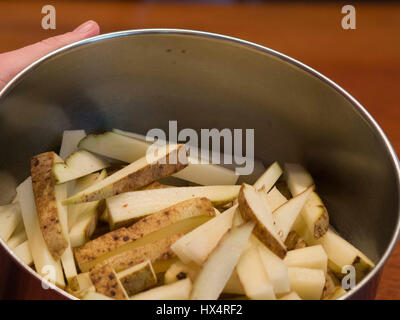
(14, 61)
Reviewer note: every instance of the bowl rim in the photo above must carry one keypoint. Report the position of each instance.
(246, 45)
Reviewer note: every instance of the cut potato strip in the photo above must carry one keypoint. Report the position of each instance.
(276, 269)
(10, 217)
(207, 174)
(297, 178)
(269, 177)
(315, 216)
(307, 283)
(128, 207)
(294, 241)
(286, 215)
(49, 210)
(88, 209)
(274, 198)
(67, 258)
(179, 271)
(18, 236)
(131, 148)
(106, 282)
(179, 290)
(158, 252)
(136, 175)
(41, 255)
(341, 253)
(80, 282)
(180, 218)
(313, 257)
(253, 208)
(115, 146)
(199, 171)
(253, 276)
(24, 253)
(219, 266)
(77, 165)
(138, 278)
(70, 142)
(198, 244)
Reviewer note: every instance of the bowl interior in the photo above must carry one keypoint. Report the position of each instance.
(138, 82)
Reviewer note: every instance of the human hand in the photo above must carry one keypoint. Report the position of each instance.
(13, 62)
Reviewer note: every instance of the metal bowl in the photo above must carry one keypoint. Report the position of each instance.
(140, 79)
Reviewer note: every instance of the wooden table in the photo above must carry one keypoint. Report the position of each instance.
(365, 61)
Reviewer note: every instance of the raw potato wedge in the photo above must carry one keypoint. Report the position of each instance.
(286, 215)
(106, 282)
(307, 283)
(138, 278)
(313, 257)
(253, 208)
(199, 171)
(315, 216)
(95, 296)
(128, 207)
(180, 218)
(276, 269)
(115, 146)
(77, 165)
(294, 241)
(80, 282)
(41, 255)
(67, 258)
(83, 217)
(297, 178)
(158, 252)
(253, 276)
(48, 208)
(198, 244)
(269, 177)
(275, 198)
(70, 142)
(10, 217)
(179, 271)
(290, 296)
(24, 253)
(18, 237)
(75, 212)
(136, 175)
(219, 266)
(341, 253)
(179, 290)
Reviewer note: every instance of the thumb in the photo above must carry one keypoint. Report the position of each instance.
(14, 61)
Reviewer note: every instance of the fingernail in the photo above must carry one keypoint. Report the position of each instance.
(84, 27)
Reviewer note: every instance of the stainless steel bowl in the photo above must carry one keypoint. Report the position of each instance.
(140, 79)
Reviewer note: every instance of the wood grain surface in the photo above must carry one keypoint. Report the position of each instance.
(365, 61)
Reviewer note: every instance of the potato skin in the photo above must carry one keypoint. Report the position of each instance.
(150, 173)
(137, 179)
(43, 183)
(106, 282)
(260, 230)
(155, 252)
(120, 237)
